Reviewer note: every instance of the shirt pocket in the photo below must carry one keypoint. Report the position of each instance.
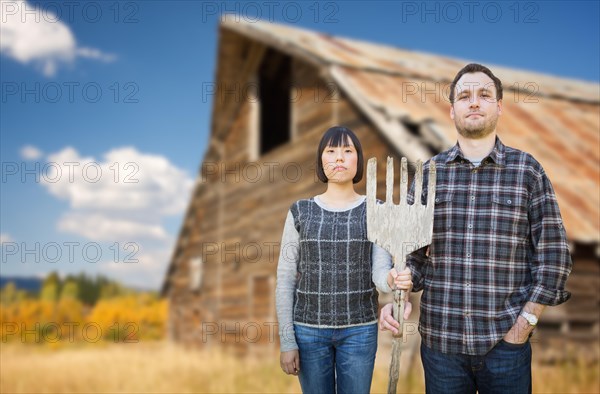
(442, 214)
(509, 216)
(509, 228)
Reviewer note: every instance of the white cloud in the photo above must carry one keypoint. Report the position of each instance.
(29, 152)
(34, 35)
(5, 237)
(96, 54)
(99, 227)
(126, 182)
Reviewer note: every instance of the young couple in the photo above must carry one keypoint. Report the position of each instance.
(499, 255)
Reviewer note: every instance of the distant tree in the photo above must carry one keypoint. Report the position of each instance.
(89, 291)
(50, 287)
(111, 289)
(70, 290)
(86, 289)
(8, 295)
(11, 294)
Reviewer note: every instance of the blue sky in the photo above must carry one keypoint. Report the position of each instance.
(106, 83)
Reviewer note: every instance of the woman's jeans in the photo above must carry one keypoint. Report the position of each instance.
(336, 358)
(504, 369)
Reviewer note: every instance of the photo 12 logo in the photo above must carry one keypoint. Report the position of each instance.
(53, 172)
(68, 252)
(255, 11)
(70, 11)
(470, 11)
(53, 332)
(236, 172)
(70, 92)
(250, 92)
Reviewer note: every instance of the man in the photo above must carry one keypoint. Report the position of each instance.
(498, 256)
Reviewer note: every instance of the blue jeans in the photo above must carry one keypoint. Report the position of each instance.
(504, 369)
(336, 357)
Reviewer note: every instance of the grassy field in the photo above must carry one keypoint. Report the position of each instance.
(161, 367)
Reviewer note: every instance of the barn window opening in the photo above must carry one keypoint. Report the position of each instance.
(274, 76)
(423, 132)
(413, 128)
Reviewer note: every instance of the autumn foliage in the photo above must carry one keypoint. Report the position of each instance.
(59, 314)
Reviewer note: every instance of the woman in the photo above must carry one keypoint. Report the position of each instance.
(326, 278)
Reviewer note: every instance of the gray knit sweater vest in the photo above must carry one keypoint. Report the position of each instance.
(334, 287)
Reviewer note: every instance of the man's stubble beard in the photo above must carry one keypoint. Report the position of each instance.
(478, 131)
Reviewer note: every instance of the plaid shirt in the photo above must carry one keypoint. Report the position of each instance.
(498, 242)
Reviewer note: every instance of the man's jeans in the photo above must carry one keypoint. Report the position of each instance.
(342, 357)
(504, 369)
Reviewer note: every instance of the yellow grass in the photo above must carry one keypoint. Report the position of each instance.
(160, 367)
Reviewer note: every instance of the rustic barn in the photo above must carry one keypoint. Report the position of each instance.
(276, 90)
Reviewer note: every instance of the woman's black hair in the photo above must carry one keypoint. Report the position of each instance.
(339, 136)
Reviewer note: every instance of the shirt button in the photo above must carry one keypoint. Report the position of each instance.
(474, 171)
(467, 313)
(437, 200)
(472, 198)
(467, 284)
(468, 254)
(509, 202)
(470, 226)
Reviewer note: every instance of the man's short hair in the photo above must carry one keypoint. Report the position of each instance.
(476, 68)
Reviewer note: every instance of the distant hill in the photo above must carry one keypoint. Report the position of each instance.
(31, 284)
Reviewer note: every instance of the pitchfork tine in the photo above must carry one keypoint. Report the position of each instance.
(431, 184)
(403, 180)
(418, 181)
(389, 181)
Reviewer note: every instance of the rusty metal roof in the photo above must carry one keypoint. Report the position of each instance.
(385, 59)
(555, 119)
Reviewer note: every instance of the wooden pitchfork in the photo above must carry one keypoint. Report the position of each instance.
(399, 229)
